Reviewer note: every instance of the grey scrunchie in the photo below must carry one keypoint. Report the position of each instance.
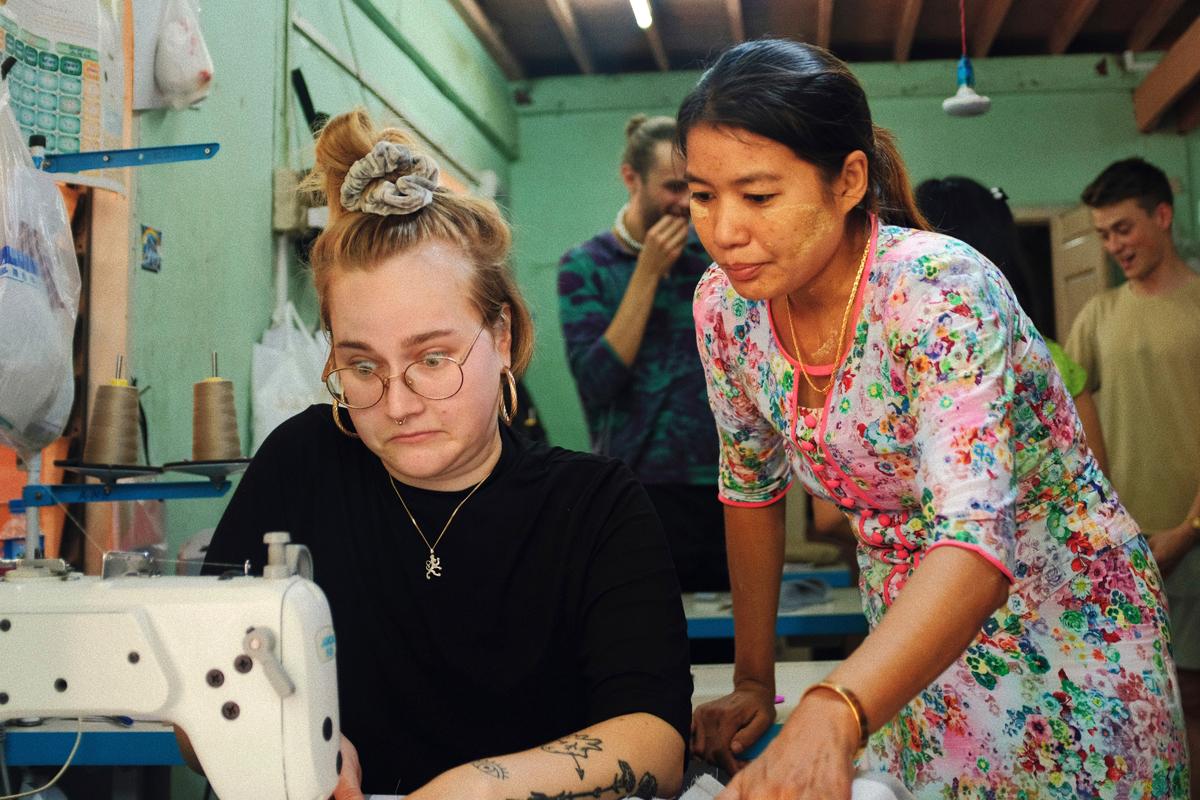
(405, 195)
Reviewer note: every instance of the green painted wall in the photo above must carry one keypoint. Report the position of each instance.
(1054, 124)
(215, 290)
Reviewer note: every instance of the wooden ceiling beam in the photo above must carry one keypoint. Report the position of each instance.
(1070, 23)
(1187, 112)
(737, 26)
(824, 23)
(565, 18)
(1169, 81)
(990, 19)
(1151, 23)
(485, 31)
(906, 31)
(656, 47)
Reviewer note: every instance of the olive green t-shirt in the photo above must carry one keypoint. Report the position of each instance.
(1142, 357)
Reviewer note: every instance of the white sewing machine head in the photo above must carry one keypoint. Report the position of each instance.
(244, 665)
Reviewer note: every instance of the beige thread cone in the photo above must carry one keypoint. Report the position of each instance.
(214, 421)
(114, 436)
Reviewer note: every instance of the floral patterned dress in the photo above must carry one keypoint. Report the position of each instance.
(948, 426)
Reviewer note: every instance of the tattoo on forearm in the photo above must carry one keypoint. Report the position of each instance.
(577, 746)
(647, 787)
(493, 768)
(624, 784)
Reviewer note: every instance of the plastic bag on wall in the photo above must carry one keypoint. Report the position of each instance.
(183, 69)
(285, 371)
(39, 298)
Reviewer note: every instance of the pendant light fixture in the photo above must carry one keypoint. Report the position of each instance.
(966, 102)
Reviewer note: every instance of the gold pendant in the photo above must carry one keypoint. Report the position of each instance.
(433, 566)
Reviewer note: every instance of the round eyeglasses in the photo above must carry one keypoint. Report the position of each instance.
(434, 377)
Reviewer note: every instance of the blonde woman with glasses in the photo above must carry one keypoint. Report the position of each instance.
(508, 618)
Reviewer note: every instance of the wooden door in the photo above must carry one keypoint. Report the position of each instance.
(1080, 265)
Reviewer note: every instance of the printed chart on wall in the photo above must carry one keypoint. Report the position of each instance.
(67, 84)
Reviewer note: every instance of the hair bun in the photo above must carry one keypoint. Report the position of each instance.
(635, 122)
(391, 179)
(343, 141)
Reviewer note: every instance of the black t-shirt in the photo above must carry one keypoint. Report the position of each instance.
(557, 607)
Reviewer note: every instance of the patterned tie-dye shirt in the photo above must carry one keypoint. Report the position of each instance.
(654, 414)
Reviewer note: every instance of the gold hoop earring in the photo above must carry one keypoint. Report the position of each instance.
(510, 383)
(337, 420)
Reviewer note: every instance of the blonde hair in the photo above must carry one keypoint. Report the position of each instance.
(642, 135)
(357, 240)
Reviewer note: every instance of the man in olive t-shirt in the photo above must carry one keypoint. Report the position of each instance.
(1140, 345)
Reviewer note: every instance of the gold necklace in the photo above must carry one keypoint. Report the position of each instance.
(433, 564)
(862, 263)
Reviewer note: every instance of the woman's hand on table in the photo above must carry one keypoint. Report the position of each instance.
(349, 785)
(812, 757)
(724, 728)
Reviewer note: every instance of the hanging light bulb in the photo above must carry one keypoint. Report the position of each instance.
(641, 13)
(966, 102)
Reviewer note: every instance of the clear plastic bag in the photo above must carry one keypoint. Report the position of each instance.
(285, 371)
(183, 69)
(39, 297)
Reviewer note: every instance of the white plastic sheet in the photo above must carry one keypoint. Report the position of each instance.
(39, 298)
(285, 372)
(866, 786)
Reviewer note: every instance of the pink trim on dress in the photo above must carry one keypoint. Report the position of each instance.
(815, 369)
(979, 551)
(876, 541)
(757, 504)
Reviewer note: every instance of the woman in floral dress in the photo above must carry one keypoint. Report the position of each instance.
(1019, 645)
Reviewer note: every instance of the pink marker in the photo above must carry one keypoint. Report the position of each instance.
(778, 699)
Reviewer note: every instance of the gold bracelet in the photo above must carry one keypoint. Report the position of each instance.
(860, 716)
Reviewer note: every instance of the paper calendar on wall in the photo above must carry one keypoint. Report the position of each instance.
(68, 83)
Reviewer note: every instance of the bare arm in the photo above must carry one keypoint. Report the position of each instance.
(663, 246)
(828, 520)
(1085, 406)
(1171, 545)
(953, 586)
(187, 751)
(636, 755)
(934, 619)
(724, 728)
(754, 542)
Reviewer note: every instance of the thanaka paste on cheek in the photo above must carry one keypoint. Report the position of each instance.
(812, 225)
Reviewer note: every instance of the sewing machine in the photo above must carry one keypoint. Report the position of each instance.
(244, 665)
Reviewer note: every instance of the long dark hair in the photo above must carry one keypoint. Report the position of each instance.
(968, 210)
(805, 98)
